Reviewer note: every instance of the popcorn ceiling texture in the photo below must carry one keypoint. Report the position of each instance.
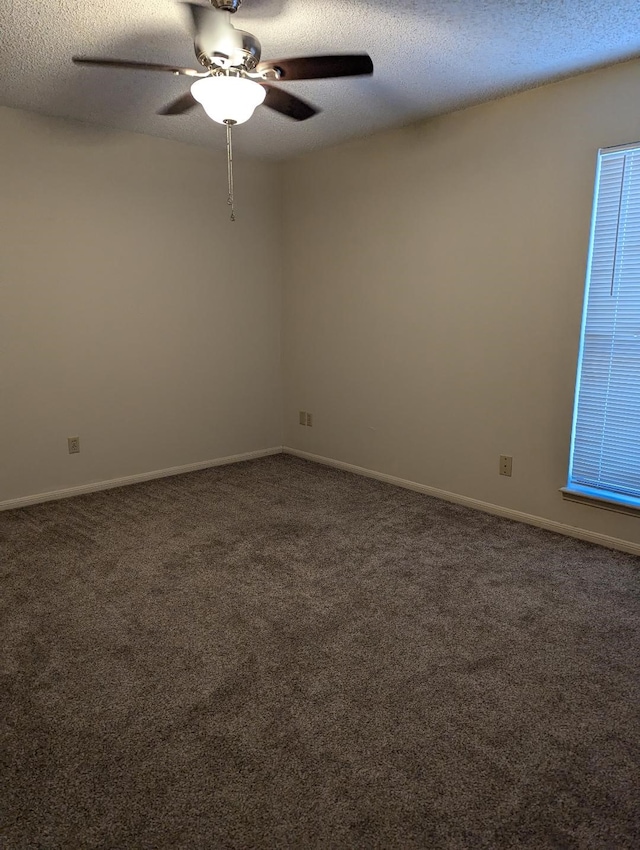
(431, 56)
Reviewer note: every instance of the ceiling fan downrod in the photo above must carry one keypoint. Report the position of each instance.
(226, 5)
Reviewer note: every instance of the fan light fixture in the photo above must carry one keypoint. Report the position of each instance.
(233, 79)
(228, 99)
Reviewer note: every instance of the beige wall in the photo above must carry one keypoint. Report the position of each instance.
(134, 314)
(433, 283)
(433, 293)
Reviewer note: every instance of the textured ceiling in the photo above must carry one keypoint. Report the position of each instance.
(430, 56)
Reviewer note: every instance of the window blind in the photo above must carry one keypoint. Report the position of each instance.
(605, 445)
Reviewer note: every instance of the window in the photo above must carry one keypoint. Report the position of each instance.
(605, 441)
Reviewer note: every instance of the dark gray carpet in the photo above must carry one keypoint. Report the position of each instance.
(277, 654)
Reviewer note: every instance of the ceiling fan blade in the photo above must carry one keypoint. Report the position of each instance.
(288, 104)
(139, 66)
(320, 67)
(180, 105)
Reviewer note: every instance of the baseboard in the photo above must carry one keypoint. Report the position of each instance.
(487, 507)
(134, 479)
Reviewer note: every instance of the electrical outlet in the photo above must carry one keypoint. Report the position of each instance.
(506, 462)
(74, 445)
(310, 419)
(303, 418)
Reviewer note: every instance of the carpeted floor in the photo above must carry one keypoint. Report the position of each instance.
(281, 655)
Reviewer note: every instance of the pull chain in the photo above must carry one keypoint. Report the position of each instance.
(230, 167)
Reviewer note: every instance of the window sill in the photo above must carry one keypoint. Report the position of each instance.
(599, 502)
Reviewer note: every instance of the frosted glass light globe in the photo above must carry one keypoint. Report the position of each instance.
(228, 98)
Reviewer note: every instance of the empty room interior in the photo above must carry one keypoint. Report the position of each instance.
(320, 454)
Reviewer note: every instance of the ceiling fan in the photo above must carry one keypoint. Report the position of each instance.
(235, 80)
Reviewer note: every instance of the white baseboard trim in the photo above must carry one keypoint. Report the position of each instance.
(487, 507)
(22, 502)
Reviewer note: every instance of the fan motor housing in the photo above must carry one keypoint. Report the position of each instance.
(247, 56)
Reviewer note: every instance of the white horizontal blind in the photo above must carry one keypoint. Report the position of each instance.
(605, 454)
